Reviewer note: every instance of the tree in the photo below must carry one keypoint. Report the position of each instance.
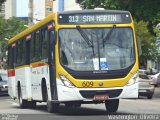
(147, 40)
(8, 29)
(11, 27)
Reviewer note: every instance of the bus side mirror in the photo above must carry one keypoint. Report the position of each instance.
(139, 46)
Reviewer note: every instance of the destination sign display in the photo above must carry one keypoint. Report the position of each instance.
(94, 18)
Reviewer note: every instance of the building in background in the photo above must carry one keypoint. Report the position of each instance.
(39, 9)
(9, 9)
(2, 12)
(71, 5)
(36, 10)
(17, 8)
(60, 5)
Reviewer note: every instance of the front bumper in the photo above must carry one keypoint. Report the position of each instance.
(87, 94)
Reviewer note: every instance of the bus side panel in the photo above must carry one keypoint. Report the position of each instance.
(35, 84)
(21, 77)
(28, 82)
(12, 87)
(39, 74)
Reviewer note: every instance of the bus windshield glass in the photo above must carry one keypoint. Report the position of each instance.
(115, 52)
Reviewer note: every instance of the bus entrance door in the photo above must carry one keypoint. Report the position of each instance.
(52, 68)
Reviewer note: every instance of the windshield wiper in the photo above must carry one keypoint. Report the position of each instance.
(109, 34)
(83, 34)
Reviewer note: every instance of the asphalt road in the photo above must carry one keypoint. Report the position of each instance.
(9, 109)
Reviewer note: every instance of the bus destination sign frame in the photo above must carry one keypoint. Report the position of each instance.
(94, 18)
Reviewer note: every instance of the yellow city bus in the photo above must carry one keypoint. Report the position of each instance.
(74, 58)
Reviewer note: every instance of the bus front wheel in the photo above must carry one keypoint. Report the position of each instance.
(70, 104)
(52, 107)
(112, 105)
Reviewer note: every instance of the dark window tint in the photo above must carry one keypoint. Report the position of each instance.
(32, 48)
(37, 45)
(10, 57)
(22, 51)
(27, 51)
(35, 52)
(18, 60)
(44, 43)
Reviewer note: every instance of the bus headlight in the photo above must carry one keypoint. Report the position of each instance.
(133, 79)
(65, 81)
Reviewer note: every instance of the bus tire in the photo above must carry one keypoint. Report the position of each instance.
(31, 104)
(22, 103)
(77, 104)
(112, 105)
(44, 91)
(70, 105)
(52, 107)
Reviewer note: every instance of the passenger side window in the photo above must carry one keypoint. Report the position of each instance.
(37, 45)
(18, 53)
(32, 47)
(22, 51)
(35, 52)
(44, 43)
(10, 57)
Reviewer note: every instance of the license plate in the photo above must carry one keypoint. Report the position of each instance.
(101, 97)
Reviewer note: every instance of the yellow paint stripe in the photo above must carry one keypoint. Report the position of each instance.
(38, 64)
(34, 65)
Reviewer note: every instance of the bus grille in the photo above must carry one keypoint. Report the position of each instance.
(91, 93)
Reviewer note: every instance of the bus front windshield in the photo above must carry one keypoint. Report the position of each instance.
(90, 49)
